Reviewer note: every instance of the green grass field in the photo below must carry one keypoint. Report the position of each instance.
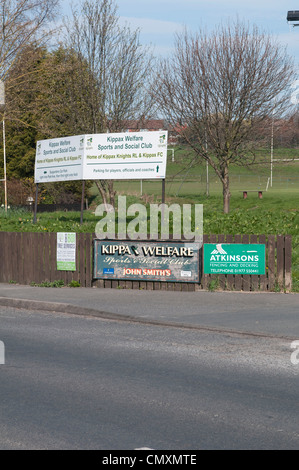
(276, 213)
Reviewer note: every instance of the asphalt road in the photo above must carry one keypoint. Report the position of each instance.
(75, 382)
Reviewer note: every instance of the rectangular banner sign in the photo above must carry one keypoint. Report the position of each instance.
(234, 259)
(128, 155)
(147, 260)
(59, 160)
(66, 251)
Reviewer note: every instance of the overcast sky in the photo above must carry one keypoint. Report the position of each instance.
(158, 20)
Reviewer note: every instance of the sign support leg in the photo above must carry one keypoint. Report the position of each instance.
(82, 202)
(163, 191)
(162, 211)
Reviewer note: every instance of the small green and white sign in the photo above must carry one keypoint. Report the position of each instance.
(234, 259)
(66, 251)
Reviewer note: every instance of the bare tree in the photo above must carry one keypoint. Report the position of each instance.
(120, 70)
(221, 87)
(22, 21)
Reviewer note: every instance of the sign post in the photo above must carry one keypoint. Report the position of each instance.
(82, 202)
(35, 203)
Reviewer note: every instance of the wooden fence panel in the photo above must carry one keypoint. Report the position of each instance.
(46, 252)
(88, 243)
(263, 284)
(280, 260)
(81, 260)
(271, 262)
(31, 257)
(52, 257)
(75, 274)
(2, 259)
(6, 265)
(238, 277)
(39, 246)
(246, 278)
(213, 278)
(204, 277)
(254, 280)
(27, 257)
(13, 261)
(222, 278)
(230, 279)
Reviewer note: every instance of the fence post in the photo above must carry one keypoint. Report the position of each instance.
(204, 277)
(280, 260)
(263, 278)
(271, 262)
(254, 278)
(288, 263)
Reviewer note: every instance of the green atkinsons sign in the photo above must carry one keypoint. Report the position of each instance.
(234, 259)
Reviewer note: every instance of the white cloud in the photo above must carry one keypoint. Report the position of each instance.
(151, 26)
(291, 41)
(158, 34)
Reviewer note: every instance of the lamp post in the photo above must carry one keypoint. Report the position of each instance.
(2, 103)
(293, 15)
(272, 139)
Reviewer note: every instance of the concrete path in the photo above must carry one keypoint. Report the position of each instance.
(269, 314)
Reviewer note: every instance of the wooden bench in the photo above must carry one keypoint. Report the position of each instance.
(259, 191)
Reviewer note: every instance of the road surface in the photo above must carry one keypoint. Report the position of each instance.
(72, 382)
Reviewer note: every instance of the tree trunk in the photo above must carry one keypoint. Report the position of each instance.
(107, 192)
(102, 193)
(226, 192)
(112, 192)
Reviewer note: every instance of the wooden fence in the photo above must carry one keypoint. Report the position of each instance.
(27, 258)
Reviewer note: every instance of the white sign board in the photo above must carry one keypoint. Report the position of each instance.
(130, 155)
(138, 155)
(66, 251)
(59, 159)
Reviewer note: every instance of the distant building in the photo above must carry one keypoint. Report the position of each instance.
(150, 125)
